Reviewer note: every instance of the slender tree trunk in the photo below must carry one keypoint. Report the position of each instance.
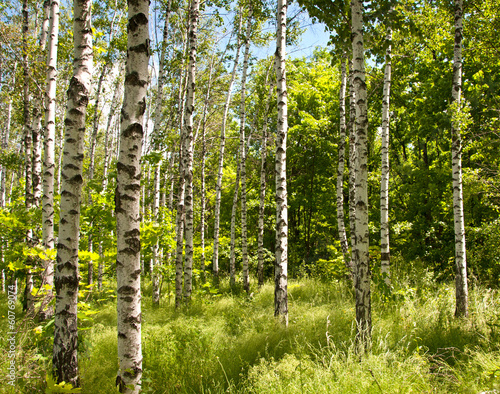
(5, 145)
(263, 185)
(188, 141)
(36, 126)
(384, 182)
(203, 164)
(243, 158)
(155, 277)
(281, 263)
(66, 274)
(220, 167)
(28, 161)
(362, 282)
(181, 214)
(232, 248)
(352, 170)
(341, 166)
(462, 302)
(49, 157)
(28, 135)
(108, 135)
(128, 258)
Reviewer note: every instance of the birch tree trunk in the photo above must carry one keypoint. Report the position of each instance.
(341, 167)
(28, 160)
(5, 144)
(108, 135)
(262, 194)
(155, 277)
(36, 126)
(461, 289)
(127, 199)
(362, 282)
(352, 170)
(218, 186)
(49, 157)
(203, 164)
(232, 247)
(181, 214)
(66, 274)
(384, 181)
(281, 262)
(156, 247)
(243, 157)
(28, 136)
(189, 142)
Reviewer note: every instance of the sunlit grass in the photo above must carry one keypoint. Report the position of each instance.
(231, 342)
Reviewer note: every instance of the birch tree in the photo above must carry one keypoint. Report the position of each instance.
(64, 359)
(49, 156)
(341, 164)
(362, 281)
(263, 185)
(281, 262)
(232, 242)
(188, 147)
(220, 166)
(243, 155)
(158, 107)
(127, 199)
(461, 289)
(384, 181)
(36, 126)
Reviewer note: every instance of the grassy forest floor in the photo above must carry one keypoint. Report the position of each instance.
(231, 343)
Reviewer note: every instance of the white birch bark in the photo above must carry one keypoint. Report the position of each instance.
(66, 274)
(156, 247)
(49, 157)
(362, 282)
(461, 288)
(5, 144)
(127, 199)
(203, 165)
(189, 143)
(36, 126)
(28, 159)
(341, 166)
(220, 167)
(243, 157)
(263, 186)
(108, 135)
(28, 136)
(232, 244)
(281, 262)
(352, 170)
(384, 181)
(157, 119)
(181, 214)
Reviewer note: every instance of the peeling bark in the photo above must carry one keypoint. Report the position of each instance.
(461, 288)
(66, 278)
(127, 199)
(363, 276)
(281, 262)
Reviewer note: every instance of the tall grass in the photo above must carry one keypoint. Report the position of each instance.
(230, 342)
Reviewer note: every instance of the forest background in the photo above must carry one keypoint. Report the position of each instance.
(420, 193)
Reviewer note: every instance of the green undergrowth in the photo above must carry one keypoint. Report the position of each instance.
(230, 343)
